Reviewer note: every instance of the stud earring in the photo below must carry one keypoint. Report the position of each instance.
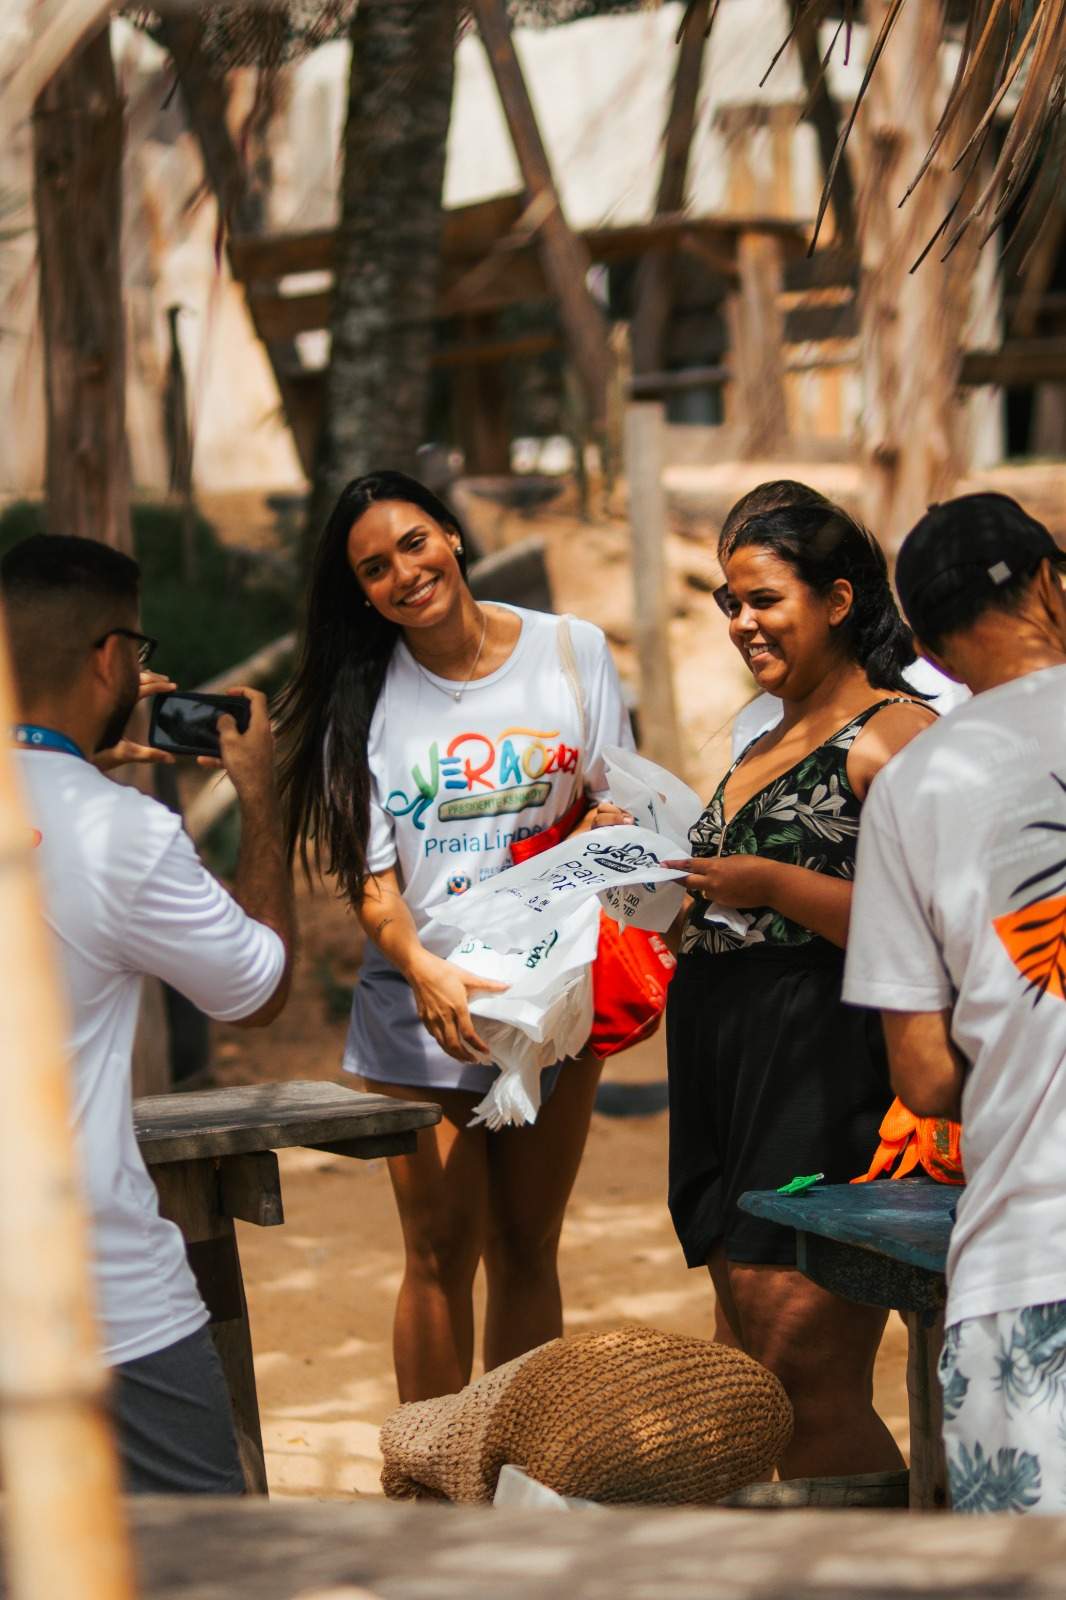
(458, 549)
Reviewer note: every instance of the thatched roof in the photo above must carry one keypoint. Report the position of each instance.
(1012, 61)
(269, 33)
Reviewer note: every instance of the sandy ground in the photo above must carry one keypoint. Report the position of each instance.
(321, 1289)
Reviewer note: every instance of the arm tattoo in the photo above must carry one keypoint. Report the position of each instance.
(382, 925)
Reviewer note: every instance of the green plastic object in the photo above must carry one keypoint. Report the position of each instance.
(797, 1185)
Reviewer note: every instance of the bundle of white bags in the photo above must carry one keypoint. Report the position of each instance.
(544, 1015)
(536, 928)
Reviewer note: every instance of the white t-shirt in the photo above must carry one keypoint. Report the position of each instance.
(766, 710)
(126, 894)
(454, 782)
(960, 883)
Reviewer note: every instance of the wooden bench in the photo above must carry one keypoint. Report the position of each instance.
(206, 1550)
(883, 1244)
(212, 1158)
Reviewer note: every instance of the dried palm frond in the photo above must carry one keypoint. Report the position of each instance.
(1005, 43)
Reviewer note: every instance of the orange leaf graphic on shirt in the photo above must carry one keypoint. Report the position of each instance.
(1035, 939)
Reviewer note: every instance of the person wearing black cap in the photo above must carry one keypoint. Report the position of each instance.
(958, 934)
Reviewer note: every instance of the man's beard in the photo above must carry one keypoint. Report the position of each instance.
(116, 723)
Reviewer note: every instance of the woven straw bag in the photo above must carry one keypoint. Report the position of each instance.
(631, 1416)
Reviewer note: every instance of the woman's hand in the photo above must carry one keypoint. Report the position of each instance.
(442, 995)
(728, 880)
(813, 899)
(604, 815)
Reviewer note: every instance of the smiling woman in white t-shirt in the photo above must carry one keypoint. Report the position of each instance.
(423, 734)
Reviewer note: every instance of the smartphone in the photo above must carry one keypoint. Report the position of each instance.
(187, 724)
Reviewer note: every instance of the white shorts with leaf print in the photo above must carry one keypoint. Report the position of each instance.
(1004, 1383)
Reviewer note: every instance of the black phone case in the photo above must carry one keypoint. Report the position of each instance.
(237, 706)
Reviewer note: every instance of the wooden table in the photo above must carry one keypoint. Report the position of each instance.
(212, 1158)
(210, 1550)
(884, 1244)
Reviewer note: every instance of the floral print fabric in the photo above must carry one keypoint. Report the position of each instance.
(1003, 1378)
(808, 817)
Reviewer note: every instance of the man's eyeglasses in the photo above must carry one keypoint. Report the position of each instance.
(146, 647)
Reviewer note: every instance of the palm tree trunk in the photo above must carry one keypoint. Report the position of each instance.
(78, 138)
(388, 241)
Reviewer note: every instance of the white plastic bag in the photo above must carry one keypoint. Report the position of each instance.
(519, 908)
(544, 1015)
(516, 1489)
(655, 798)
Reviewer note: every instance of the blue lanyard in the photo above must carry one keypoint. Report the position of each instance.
(28, 736)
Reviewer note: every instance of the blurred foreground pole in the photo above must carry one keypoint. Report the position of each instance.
(65, 1535)
(644, 453)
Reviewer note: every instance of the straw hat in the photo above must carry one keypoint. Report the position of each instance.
(631, 1416)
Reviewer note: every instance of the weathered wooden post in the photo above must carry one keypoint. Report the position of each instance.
(821, 113)
(78, 129)
(565, 256)
(909, 347)
(756, 340)
(205, 95)
(654, 286)
(79, 135)
(64, 1528)
(644, 455)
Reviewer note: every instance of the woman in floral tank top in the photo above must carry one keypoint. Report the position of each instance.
(771, 1075)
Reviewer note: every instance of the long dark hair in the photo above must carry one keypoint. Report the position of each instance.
(822, 543)
(324, 714)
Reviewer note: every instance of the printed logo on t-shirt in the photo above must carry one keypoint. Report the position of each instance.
(479, 777)
(1034, 933)
(458, 883)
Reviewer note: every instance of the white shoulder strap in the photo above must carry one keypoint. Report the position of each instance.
(568, 662)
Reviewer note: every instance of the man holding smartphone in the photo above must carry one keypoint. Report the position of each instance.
(126, 895)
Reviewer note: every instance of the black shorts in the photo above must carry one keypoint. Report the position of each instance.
(174, 1422)
(771, 1076)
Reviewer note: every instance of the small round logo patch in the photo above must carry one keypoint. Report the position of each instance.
(459, 883)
